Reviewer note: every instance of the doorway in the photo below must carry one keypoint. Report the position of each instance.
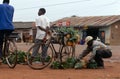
(94, 32)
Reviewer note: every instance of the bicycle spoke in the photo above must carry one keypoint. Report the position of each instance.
(67, 52)
(11, 54)
(39, 62)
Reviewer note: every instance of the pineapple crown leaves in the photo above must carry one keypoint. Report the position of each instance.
(69, 30)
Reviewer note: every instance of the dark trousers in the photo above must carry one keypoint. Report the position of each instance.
(2, 34)
(36, 48)
(106, 53)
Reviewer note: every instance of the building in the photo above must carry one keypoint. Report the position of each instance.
(25, 31)
(107, 28)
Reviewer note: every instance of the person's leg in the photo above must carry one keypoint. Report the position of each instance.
(106, 53)
(44, 51)
(1, 42)
(98, 58)
(102, 54)
(36, 48)
(7, 32)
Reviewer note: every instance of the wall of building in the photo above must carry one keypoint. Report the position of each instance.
(22, 33)
(115, 34)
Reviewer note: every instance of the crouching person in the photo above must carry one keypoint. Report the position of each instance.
(98, 51)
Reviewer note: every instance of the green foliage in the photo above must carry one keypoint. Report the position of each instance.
(55, 65)
(78, 65)
(92, 65)
(64, 65)
(73, 39)
(21, 57)
(47, 59)
(69, 30)
(71, 62)
(11, 58)
(58, 65)
(4, 61)
(37, 58)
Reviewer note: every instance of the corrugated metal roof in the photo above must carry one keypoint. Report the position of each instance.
(23, 25)
(91, 20)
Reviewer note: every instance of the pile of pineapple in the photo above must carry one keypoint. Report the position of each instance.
(71, 36)
(74, 63)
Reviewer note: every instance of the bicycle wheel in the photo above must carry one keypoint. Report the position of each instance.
(67, 52)
(39, 62)
(11, 53)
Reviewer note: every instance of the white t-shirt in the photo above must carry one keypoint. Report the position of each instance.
(43, 22)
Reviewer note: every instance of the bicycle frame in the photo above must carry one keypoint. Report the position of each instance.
(5, 45)
(10, 51)
(47, 48)
(58, 54)
(7, 39)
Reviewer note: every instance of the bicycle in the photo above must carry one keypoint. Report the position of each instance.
(10, 50)
(62, 54)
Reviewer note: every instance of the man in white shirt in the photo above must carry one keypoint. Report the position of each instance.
(42, 24)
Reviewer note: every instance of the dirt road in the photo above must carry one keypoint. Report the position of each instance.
(111, 71)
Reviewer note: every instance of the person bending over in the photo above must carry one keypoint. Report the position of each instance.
(98, 51)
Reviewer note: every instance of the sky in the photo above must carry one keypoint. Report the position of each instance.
(26, 10)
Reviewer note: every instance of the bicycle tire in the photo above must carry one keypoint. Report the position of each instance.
(11, 53)
(37, 62)
(67, 52)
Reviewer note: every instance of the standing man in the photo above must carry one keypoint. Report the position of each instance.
(6, 25)
(42, 24)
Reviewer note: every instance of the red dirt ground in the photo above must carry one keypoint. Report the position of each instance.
(111, 71)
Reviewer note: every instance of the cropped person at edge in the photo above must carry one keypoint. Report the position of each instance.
(6, 22)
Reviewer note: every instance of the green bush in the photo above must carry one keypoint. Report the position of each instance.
(55, 65)
(69, 63)
(21, 57)
(78, 65)
(92, 65)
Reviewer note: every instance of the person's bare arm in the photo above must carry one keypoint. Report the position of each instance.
(41, 28)
(85, 52)
(46, 30)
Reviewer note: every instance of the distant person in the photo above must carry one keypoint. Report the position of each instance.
(6, 22)
(82, 41)
(31, 36)
(42, 25)
(98, 51)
